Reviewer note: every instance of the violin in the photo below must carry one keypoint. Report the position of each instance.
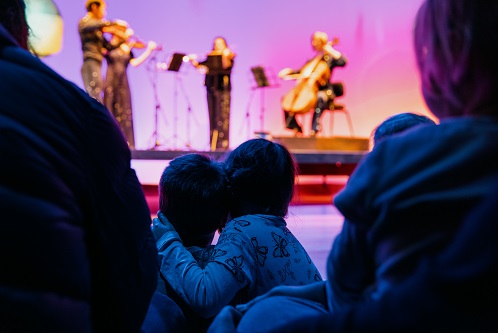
(303, 97)
(121, 30)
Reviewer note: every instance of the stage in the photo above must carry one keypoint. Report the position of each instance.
(324, 166)
(314, 156)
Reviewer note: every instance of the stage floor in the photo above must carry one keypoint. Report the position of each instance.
(324, 166)
(314, 156)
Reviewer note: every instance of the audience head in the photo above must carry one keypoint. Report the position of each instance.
(261, 176)
(13, 18)
(456, 50)
(398, 123)
(193, 196)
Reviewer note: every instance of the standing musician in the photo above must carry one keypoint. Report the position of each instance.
(94, 46)
(217, 67)
(314, 80)
(117, 94)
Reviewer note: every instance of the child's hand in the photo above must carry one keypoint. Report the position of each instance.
(164, 220)
(161, 225)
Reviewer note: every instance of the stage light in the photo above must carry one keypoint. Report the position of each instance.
(46, 26)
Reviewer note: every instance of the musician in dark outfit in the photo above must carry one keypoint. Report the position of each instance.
(325, 93)
(94, 46)
(218, 88)
(117, 94)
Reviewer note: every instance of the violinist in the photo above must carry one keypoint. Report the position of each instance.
(117, 95)
(217, 67)
(326, 57)
(91, 29)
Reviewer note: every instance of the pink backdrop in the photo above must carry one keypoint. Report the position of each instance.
(376, 37)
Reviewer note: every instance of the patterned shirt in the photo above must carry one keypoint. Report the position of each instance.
(254, 253)
(262, 253)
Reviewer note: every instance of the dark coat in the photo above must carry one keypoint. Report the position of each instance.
(76, 251)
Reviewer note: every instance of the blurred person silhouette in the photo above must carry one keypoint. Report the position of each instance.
(76, 248)
(218, 67)
(94, 45)
(117, 94)
(410, 194)
(453, 291)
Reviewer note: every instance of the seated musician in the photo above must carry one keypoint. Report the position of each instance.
(333, 58)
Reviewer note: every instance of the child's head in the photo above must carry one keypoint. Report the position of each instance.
(261, 177)
(192, 195)
(397, 124)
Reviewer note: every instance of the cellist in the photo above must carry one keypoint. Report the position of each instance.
(333, 58)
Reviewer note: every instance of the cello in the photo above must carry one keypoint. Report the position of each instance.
(303, 97)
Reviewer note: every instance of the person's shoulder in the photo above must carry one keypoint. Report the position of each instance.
(84, 20)
(469, 123)
(238, 230)
(431, 136)
(256, 220)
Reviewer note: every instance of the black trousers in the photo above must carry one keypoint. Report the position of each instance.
(291, 122)
(219, 118)
(91, 72)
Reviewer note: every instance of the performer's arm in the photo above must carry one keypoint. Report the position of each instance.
(200, 66)
(227, 58)
(288, 71)
(151, 46)
(92, 25)
(328, 49)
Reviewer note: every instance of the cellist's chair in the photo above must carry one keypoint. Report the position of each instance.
(333, 107)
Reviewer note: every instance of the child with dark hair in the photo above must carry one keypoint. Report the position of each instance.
(262, 176)
(399, 123)
(192, 197)
(255, 250)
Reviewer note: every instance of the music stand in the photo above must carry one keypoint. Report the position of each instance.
(176, 62)
(261, 81)
(153, 67)
(260, 76)
(174, 66)
(214, 64)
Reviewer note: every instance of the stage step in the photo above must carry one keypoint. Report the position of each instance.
(297, 144)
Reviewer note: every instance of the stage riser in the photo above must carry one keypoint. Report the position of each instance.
(324, 144)
(314, 156)
(304, 194)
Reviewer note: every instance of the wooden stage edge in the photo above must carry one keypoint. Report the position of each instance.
(315, 156)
